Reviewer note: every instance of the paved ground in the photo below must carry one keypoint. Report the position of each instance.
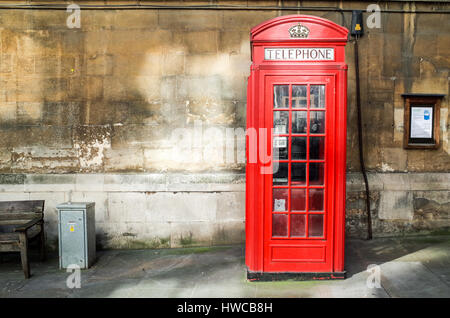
(409, 267)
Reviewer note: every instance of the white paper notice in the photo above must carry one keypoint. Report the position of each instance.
(421, 122)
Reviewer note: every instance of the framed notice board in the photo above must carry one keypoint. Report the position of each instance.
(421, 125)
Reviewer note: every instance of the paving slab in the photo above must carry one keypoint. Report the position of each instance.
(411, 279)
(408, 267)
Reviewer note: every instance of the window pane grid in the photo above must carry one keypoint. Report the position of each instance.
(307, 218)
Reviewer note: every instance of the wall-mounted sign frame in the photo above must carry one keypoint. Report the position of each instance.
(421, 125)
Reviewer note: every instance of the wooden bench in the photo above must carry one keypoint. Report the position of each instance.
(21, 222)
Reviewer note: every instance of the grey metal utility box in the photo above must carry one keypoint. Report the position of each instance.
(76, 229)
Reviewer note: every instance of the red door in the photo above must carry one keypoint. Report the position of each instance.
(298, 211)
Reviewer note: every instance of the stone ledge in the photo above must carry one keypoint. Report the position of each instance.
(202, 182)
(431, 181)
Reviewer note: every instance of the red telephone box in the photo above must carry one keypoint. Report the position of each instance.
(296, 149)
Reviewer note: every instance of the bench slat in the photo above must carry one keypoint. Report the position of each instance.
(19, 216)
(9, 247)
(22, 206)
(13, 237)
(13, 222)
(9, 237)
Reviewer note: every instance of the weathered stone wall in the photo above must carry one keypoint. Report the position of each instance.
(79, 107)
(401, 204)
(142, 210)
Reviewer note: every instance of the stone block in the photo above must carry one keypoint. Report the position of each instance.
(191, 234)
(9, 195)
(424, 44)
(168, 88)
(50, 183)
(32, 90)
(7, 90)
(135, 182)
(29, 113)
(16, 19)
(96, 20)
(27, 136)
(231, 232)
(58, 113)
(145, 41)
(199, 87)
(184, 207)
(136, 135)
(234, 42)
(148, 87)
(101, 64)
(123, 159)
(355, 182)
(396, 205)
(134, 235)
(429, 23)
(72, 41)
(96, 41)
(94, 88)
(138, 64)
(430, 181)
(173, 63)
(243, 21)
(47, 65)
(231, 207)
(240, 64)
(189, 20)
(126, 207)
(41, 159)
(49, 19)
(135, 19)
(9, 112)
(89, 182)
(394, 159)
(116, 88)
(200, 42)
(443, 44)
(6, 63)
(162, 158)
(392, 22)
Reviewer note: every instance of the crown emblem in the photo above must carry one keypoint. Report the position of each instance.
(299, 31)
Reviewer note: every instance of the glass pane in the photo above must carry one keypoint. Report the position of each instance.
(315, 200)
(298, 148)
(279, 225)
(280, 122)
(315, 225)
(298, 173)
(317, 122)
(317, 96)
(299, 96)
(316, 173)
(299, 122)
(281, 96)
(298, 199)
(280, 173)
(280, 200)
(298, 222)
(316, 147)
(280, 148)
